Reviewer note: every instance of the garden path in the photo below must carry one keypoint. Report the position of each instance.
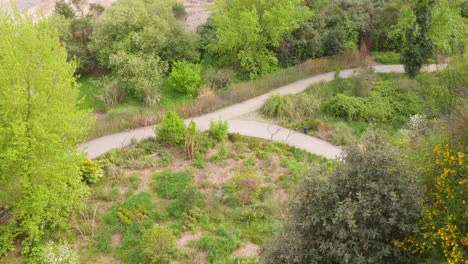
(99, 146)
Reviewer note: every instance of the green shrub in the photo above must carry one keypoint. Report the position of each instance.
(234, 137)
(130, 218)
(305, 106)
(158, 245)
(243, 188)
(135, 180)
(351, 108)
(219, 247)
(387, 57)
(277, 106)
(219, 78)
(185, 78)
(179, 10)
(91, 171)
(171, 130)
(249, 215)
(218, 130)
(171, 185)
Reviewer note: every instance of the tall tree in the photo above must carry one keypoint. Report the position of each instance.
(247, 29)
(354, 215)
(40, 126)
(138, 40)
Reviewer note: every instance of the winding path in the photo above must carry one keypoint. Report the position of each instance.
(99, 146)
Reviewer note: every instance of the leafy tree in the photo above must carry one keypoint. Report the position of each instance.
(74, 21)
(353, 216)
(419, 46)
(186, 78)
(41, 125)
(246, 29)
(171, 130)
(138, 40)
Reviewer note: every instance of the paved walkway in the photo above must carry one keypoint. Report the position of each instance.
(99, 146)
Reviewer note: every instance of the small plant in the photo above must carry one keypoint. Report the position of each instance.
(218, 130)
(277, 106)
(243, 188)
(158, 245)
(192, 139)
(171, 185)
(91, 171)
(135, 181)
(179, 10)
(131, 215)
(199, 162)
(171, 130)
(191, 217)
(185, 78)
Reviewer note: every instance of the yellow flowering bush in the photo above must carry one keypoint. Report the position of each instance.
(444, 223)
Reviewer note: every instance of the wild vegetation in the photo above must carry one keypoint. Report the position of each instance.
(397, 194)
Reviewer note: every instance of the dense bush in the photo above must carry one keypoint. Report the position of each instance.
(91, 171)
(171, 130)
(185, 78)
(158, 246)
(355, 215)
(277, 106)
(352, 108)
(218, 130)
(388, 57)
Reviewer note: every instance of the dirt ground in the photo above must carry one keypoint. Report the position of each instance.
(197, 10)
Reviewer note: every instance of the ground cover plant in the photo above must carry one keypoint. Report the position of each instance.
(222, 211)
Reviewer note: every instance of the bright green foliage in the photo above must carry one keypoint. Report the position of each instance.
(246, 29)
(186, 78)
(353, 216)
(219, 247)
(218, 130)
(158, 246)
(277, 106)
(137, 40)
(386, 103)
(171, 129)
(171, 185)
(388, 57)
(40, 126)
(91, 171)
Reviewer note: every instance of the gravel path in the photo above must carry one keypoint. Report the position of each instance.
(99, 146)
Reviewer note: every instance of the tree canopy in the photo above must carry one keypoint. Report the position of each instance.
(138, 40)
(247, 29)
(353, 216)
(40, 126)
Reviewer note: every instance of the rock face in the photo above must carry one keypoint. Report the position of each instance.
(197, 10)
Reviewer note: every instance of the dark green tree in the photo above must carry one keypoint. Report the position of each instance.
(419, 46)
(354, 215)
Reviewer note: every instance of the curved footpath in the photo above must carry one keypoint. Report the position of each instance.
(99, 146)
